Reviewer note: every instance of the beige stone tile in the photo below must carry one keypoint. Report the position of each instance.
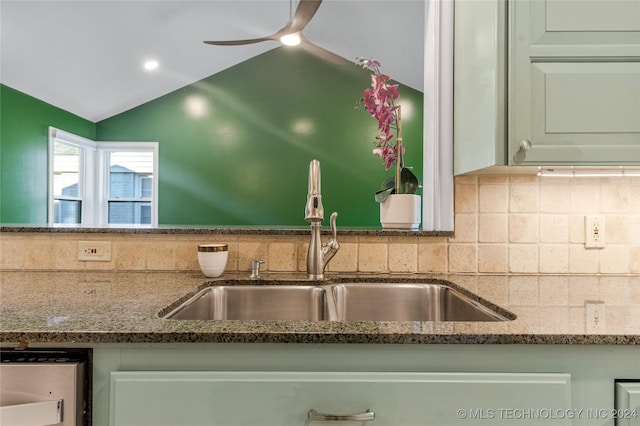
(161, 255)
(556, 320)
(373, 257)
(495, 289)
(493, 228)
(634, 259)
(576, 228)
(466, 198)
(403, 257)
(614, 259)
(527, 320)
(577, 319)
(65, 255)
(585, 198)
(523, 291)
(232, 257)
(554, 290)
(493, 179)
(634, 229)
(617, 229)
(465, 228)
(615, 291)
(554, 228)
(468, 282)
(248, 251)
(346, 260)
(582, 260)
(462, 258)
(432, 258)
(615, 198)
(186, 255)
(493, 198)
(523, 198)
(554, 259)
(616, 320)
(468, 179)
(492, 258)
(12, 252)
(39, 253)
(523, 258)
(523, 228)
(282, 257)
(555, 198)
(303, 251)
(583, 288)
(130, 255)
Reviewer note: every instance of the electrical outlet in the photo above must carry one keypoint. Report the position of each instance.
(595, 317)
(97, 251)
(594, 235)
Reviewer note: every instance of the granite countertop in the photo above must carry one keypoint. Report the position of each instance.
(123, 307)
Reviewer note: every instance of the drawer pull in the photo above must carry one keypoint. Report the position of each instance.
(367, 416)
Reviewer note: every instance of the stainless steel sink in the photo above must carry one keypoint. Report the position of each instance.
(407, 302)
(334, 302)
(255, 302)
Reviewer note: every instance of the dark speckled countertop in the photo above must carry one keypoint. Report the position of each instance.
(123, 307)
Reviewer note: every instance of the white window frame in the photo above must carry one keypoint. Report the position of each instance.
(93, 177)
(104, 148)
(438, 184)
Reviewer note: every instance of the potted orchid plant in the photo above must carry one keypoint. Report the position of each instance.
(399, 206)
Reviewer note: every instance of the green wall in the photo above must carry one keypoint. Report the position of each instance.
(24, 135)
(240, 157)
(244, 160)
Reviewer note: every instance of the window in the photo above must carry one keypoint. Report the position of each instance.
(102, 183)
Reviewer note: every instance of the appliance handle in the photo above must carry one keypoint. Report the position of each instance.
(32, 414)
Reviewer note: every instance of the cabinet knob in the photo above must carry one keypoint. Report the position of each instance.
(521, 154)
(367, 416)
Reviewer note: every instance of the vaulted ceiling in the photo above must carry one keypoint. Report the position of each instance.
(86, 56)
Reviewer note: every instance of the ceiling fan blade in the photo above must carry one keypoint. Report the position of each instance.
(304, 12)
(276, 36)
(321, 52)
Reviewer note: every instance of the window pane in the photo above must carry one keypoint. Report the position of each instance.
(130, 174)
(67, 211)
(129, 212)
(66, 161)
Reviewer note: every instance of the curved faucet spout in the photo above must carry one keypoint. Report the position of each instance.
(319, 254)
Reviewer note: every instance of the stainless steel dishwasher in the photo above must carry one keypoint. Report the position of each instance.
(41, 387)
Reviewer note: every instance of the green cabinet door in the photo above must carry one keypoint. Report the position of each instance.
(225, 398)
(574, 82)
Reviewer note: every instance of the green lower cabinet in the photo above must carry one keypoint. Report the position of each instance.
(170, 398)
(628, 403)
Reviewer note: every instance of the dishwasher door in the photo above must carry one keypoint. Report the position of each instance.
(45, 387)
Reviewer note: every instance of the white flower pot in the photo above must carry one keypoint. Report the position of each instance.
(401, 211)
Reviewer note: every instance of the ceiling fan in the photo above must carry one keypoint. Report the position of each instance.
(291, 34)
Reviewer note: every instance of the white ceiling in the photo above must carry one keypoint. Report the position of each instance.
(85, 56)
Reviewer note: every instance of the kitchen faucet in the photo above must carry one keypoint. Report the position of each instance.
(319, 254)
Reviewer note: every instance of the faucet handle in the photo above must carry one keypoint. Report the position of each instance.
(255, 268)
(334, 228)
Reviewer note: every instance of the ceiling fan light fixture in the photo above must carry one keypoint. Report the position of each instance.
(292, 39)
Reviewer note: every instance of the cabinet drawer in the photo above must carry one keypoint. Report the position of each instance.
(285, 398)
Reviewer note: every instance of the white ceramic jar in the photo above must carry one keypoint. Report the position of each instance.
(212, 259)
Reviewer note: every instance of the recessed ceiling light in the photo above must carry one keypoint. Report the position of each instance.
(151, 65)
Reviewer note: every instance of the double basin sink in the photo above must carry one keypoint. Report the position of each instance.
(335, 302)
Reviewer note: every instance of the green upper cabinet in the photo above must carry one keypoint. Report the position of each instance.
(560, 77)
(575, 82)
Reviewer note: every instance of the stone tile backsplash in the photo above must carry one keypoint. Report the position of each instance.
(503, 224)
